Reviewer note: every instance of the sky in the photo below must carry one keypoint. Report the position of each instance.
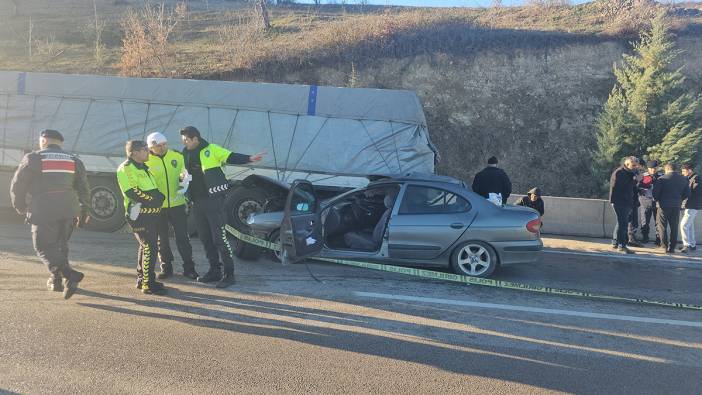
(444, 3)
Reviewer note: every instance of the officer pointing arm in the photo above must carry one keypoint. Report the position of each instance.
(207, 189)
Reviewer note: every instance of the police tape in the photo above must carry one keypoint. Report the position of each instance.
(487, 282)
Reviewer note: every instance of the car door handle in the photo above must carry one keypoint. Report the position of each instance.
(457, 225)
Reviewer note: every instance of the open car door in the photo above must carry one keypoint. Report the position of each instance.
(301, 230)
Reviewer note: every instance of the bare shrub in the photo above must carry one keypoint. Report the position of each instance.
(146, 48)
(628, 17)
(48, 47)
(240, 41)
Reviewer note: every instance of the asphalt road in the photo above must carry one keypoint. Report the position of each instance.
(321, 328)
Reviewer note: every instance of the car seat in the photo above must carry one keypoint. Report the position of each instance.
(370, 241)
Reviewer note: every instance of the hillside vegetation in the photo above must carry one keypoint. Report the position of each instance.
(218, 37)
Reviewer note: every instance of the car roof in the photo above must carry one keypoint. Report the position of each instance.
(414, 176)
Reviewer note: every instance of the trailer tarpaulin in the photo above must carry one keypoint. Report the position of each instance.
(316, 129)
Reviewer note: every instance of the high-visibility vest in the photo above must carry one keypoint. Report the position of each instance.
(212, 158)
(139, 180)
(166, 172)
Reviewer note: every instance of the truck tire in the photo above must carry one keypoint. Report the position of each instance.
(239, 204)
(106, 205)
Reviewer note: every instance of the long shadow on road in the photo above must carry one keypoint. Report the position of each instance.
(452, 350)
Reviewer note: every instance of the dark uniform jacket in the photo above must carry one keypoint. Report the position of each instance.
(622, 185)
(57, 183)
(670, 190)
(694, 201)
(645, 185)
(200, 185)
(492, 180)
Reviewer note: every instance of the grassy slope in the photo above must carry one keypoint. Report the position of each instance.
(301, 35)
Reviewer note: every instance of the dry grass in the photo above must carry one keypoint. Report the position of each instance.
(225, 37)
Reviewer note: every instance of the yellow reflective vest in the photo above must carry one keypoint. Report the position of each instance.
(166, 172)
(138, 186)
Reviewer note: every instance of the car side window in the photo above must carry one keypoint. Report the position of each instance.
(427, 200)
(303, 200)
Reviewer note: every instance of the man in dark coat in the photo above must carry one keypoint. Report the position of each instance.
(690, 206)
(621, 196)
(492, 180)
(669, 191)
(58, 185)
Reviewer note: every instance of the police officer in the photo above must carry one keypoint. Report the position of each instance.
(166, 166)
(647, 213)
(207, 189)
(58, 185)
(142, 203)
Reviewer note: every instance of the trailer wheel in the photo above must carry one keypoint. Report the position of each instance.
(241, 203)
(106, 205)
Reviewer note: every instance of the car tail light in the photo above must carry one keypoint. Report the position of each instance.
(534, 226)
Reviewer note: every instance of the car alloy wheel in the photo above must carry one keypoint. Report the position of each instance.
(475, 259)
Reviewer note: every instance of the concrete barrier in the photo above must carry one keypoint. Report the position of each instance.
(584, 217)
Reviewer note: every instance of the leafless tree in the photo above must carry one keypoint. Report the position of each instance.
(262, 11)
(99, 27)
(146, 45)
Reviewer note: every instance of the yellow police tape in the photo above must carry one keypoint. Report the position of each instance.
(430, 274)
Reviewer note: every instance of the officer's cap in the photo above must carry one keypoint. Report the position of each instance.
(51, 134)
(155, 138)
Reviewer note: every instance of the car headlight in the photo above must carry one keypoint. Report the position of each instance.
(250, 219)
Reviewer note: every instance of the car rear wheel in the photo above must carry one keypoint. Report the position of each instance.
(474, 258)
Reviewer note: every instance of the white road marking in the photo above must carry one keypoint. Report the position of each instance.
(635, 257)
(602, 316)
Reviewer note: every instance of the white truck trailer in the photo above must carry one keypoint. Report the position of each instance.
(335, 137)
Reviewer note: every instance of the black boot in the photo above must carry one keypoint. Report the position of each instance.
(227, 280)
(155, 288)
(55, 283)
(189, 271)
(71, 283)
(212, 275)
(166, 271)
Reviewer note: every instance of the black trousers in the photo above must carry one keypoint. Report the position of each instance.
(668, 217)
(51, 244)
(633, 224)
(178, 218)
(647, 214)
(620, 236)
(146, 234)
(210, 219)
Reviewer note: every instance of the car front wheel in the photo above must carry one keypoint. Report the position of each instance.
(474, 258)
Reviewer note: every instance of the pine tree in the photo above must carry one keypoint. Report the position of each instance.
(648, 114)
